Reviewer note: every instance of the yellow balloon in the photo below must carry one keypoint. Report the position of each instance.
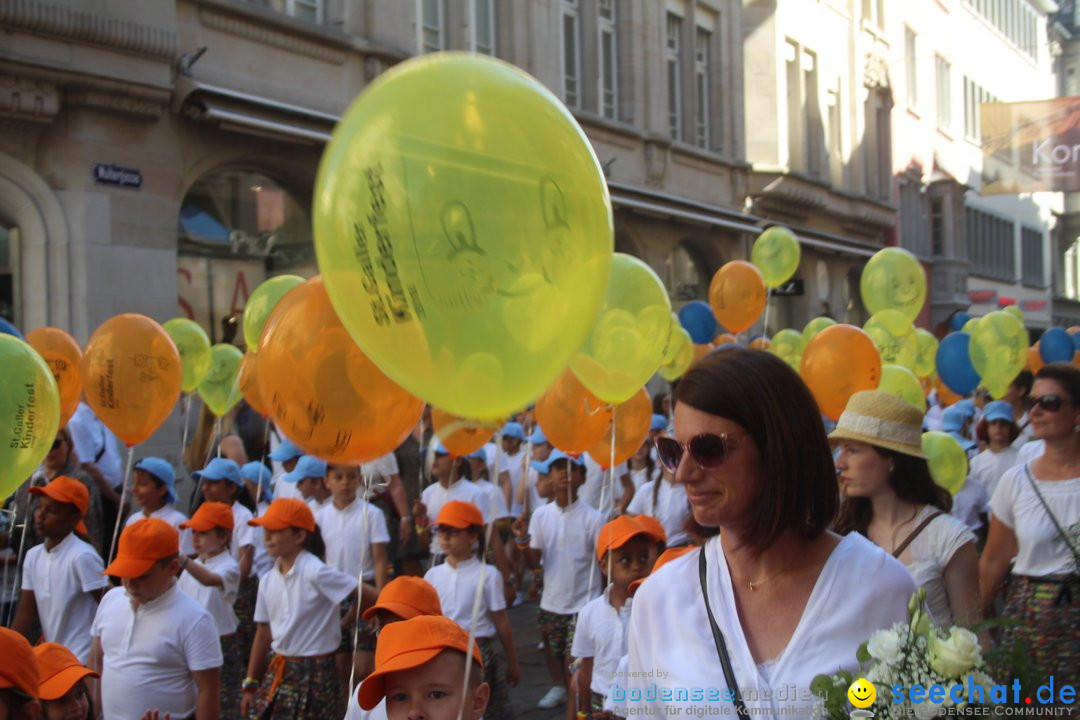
(1015, 311)
(788, 345)
(926, 357)
(894, 279)
(464, 232)
(684, 356)
(220, 389)
(194, 348)
(894, 337)
(999, 350)
(64, 357)
(947, 460)
(776, 253)
(626, 345)
(969, 326)
(258, 307)
(29, 412)
(815, 326)
(901, 382)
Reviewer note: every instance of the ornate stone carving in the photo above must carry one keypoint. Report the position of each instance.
(28, 100)
(252, 29)
(875, 71)
(656, 160)
(123, 103)
(93, 28)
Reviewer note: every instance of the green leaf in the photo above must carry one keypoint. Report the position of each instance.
(863, 654)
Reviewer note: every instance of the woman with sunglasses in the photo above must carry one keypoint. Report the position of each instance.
(891, 498)
(781, 595)
(1035, 518)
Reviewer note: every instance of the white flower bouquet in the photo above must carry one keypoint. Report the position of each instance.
(913, 656)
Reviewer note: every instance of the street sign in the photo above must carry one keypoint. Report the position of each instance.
(791, 288)
(106, 174)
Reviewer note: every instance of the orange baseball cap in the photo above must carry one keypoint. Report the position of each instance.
(142, 544)
(407, 597)
(59, 669)
(618, 532)
(653, 527)
(410, 644)
(67, 490)
(19, 669)
(665, 557)
(286, 513)
(210, 515)
(459, 514)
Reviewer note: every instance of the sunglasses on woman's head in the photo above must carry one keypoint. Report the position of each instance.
(1049, 403)
(708, 450)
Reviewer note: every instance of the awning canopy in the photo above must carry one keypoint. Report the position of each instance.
(253, 114)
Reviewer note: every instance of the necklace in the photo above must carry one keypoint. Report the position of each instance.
(753, 586)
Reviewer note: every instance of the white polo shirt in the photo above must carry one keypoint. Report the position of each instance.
(174, 517)
(672, 508)
(514, 466)
(435, 496)
(316, 505)
(284, 490)
(567, 539)
(263, 562)
(601, 633)
(457, 589)
(242, 534)
(493, 502)
(62, 580)
(218, 601)
(349, 535)
(303, 606)
(151, 652)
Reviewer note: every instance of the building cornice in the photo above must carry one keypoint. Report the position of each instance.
(91, 28)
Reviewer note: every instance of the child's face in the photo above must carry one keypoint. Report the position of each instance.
(478, 468)
(309, 487)
(433, 691)
(149, 492)
(209, 541)
(629, 562)
(152, 584)
(564, 480)
(543, 486)
(540, 452)
(511, 445)
(289, 465)
(441, 466)
(218, 491)
(253, 488)
(343, 482)
(54, 520)
(74, 705)
(283, 543)
(455, 542)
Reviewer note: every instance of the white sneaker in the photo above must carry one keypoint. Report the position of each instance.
(555, 696)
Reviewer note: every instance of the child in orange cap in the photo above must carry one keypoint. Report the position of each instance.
(459, 527)
(19, 678)
(656, 529)
(63, 692)
(213, 580)
(297, 617)
(155, 647)
(62, 581)
(420, 667)
(623, 550)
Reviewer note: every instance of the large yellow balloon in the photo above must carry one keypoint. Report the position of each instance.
(29, 412)
(627, 343)
(895, 338)
(926, 357)
(322, 390)
(131, 375)
(629, 425)
(259, 306)
(464, 231)
(776, 253)
(64, 357)
(901, 382)
(947, 460)
(998, 350)
(840, 361)
(737, 295)
(572, 418)
(194, 348)
(788, 345)
(894, 279)
(220, 389)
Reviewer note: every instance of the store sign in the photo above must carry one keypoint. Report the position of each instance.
(1033, 305)
(212, 289)
(105, 174)
(981, 297)
(1031, 146)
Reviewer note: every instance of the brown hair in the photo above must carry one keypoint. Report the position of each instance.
(910, 480)
(982, 431)
(760, 392)
(1065, 375)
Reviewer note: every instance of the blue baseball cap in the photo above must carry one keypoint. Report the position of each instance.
(439, 448)
(513, 430)
(308, 466)
(955, 416)
(998, 410)
(963, 441)
(544, 466)
(538, 437)
(659, 422)
(257, 472)
(478, 455)
(161, 470)
(220, 469)
(287, 450)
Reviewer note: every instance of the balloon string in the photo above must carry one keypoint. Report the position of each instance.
(214, 441)
(765, 322)
(262, 464)
(364, 535)
(185, 413)
(123, 501)
(22, 546)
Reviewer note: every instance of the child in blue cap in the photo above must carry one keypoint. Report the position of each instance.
(309, 477)
(287, 454)
(154, 489)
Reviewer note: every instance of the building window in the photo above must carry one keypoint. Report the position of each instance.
(702, 39)
(687, 278)
(873, 12)
(1031, 257)
(937, 226)
(571, 55)
(911, 68)
(974, 96)
(482, 26)
(609, 59)
(914, 228)
(7, 273)
(308, 10)
(1015, 19)
(943, 73)
(990, 245)
(672, 49)
(432, 35)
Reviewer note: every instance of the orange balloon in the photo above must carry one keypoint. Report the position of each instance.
(322, 390)
(838, 362)
(460, 436)
(737, 295)
(701, 351)
(131, 372)
(249, 387)
(64, 357)
(630, 424)
(947, 396)
(760, 343)
(572, 418)
(1034, 360)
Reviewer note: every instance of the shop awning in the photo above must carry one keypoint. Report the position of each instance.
(200, 226)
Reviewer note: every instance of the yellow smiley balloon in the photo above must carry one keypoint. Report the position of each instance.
(862, 693)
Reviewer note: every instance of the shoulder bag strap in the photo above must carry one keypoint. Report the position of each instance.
(1053, 519)
(915, 533)
(718, 638)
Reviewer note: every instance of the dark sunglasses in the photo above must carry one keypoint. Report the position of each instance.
(708, 450)
(1049, 403)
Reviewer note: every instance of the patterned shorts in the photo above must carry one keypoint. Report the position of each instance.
(558, 631)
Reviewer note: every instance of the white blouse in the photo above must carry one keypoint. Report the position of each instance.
(1042, 550)
(988, 466)
(931, 551)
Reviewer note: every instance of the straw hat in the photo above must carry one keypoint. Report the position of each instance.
(883, 420)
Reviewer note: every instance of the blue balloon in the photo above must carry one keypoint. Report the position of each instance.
(1056, 345)
(954, 364)
(8, 329)
(1076, 341)
(698, 320)
(958, 321)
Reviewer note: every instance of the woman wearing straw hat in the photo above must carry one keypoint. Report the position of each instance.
(891, 498)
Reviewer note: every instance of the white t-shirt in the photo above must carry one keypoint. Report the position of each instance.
(434, 496)
(242, 534)
(987, 468)
(672, 508)
(316, 505)
(641, 476)
(174, 517)
(93, 442)
(151, 652)
(567, 539)
(935, 417)
(598, 483)
(349, 535)
(303, 606)
(355, 712)
(620, 672)
(1041, 549)
(457, 589)
(514, 466)
(493, 502)
(218, 601)
(669, 629)
(262, 562)
(969, 503)
(601, 633)
(62, 580)
(931, 551)
(284, 490)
